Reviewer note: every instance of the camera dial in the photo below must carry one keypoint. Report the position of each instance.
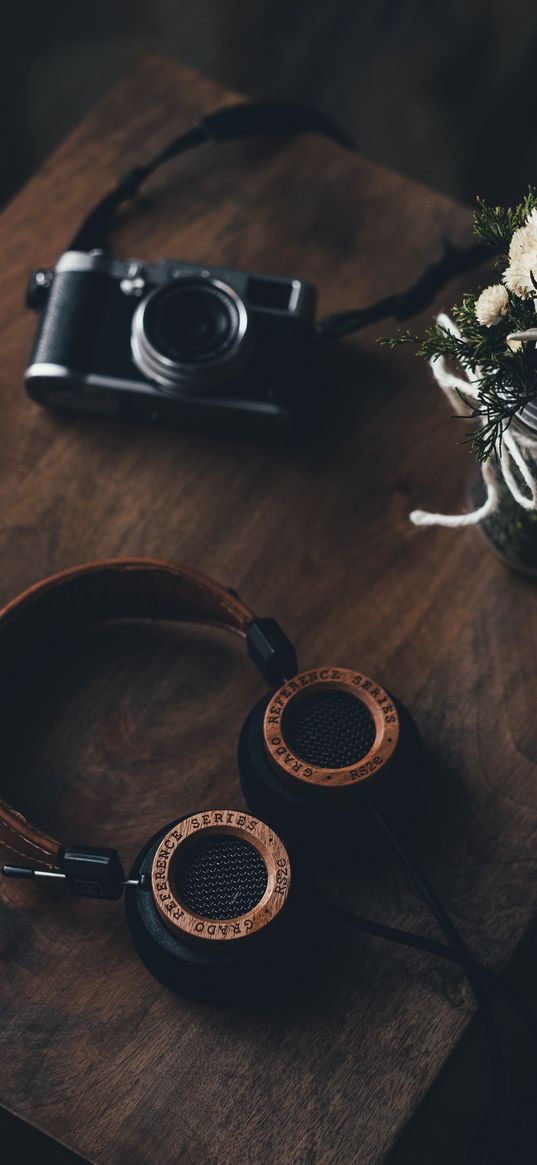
(190, 333)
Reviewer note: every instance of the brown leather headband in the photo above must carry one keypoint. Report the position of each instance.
(121, 588)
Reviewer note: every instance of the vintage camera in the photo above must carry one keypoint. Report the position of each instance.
(173, 344)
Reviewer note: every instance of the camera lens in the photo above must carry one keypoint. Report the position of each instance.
(191, 323)
(189, 332)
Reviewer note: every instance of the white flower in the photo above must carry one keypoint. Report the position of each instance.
(522, 270)
(523, 258)
(491, 305)
(524, 239)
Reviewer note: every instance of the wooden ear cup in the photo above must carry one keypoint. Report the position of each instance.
(222, 909)
(310, 750)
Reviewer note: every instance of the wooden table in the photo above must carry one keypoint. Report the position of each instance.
(130, 726)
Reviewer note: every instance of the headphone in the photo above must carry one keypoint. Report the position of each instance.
(216, 897)
(220, 901)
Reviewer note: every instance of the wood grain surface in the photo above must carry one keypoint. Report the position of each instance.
(130, 726)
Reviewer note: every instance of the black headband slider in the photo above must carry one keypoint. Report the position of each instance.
(92, 872)
(271, 651)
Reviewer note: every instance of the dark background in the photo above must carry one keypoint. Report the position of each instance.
(444, 92)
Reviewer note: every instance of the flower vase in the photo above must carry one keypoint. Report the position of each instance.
(511, 530)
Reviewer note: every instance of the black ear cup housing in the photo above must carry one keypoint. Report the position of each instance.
(250, 966)
(313, 813)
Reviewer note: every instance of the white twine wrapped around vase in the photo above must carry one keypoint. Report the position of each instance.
(507, 452)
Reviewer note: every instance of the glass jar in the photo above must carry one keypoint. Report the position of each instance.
(511, 530)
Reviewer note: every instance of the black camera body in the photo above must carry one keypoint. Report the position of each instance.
(171, 344)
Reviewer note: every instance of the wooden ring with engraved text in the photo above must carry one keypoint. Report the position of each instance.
(181, 919)
(301, 770)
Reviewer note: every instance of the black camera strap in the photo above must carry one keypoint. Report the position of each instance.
(289, 118)
(249, 119)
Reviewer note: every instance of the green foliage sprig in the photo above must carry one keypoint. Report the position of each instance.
(508, 379)
(495, 225)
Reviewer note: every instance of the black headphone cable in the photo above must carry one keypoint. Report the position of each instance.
(348, 918)
(479, 1143)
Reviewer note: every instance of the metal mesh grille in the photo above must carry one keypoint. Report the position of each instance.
(220, 877)
(330, 730)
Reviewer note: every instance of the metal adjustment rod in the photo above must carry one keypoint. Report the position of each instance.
(30, 872)
(90, 872)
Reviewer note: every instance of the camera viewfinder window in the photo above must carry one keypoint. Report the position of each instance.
(269, 293)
